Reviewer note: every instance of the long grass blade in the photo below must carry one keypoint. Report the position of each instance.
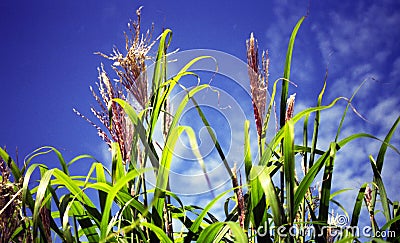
(136, 121)
(196, 224)
(79, 157)
(14, 167)
(316, 126)
(289, 169)
(347, 108)
(158, 231)
(279, 136)
(326, 184)
(286, 73)
(117, 168)
(104, 229)
(381, 156)
(185, 100)
(257, 208)
(316, 168)
(89, 229)
(381, 188)
(101, 177)
(121, 196)
(247, 150)
(163, 175)
(159, 77)
(216, 232)
(42, 188)
(213, 137)
(357, 206)
(386, 142)
(74, 188)
(272, 199)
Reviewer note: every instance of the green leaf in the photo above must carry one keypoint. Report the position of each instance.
(85, 222)
(270, 150)
(268, 115)
(215, 232)
(166, 158)
(44, 182)
(163, 173)
(160, 65)
(316, 126)
(196, 224)
(381, 188)
(247, 150)
(170, 84)
(326, 184)
(272, 198)
(48, 149)
(381, 156)
(334, 194)
(289, 169)
(257, 208)
(315, 169)
(159, 77)
(386, 142)
(104, 229)
(213, 137)
(347, 108)
(121, 196)
(87, 208)
(101, 177)
(26, 194)
(286, 73)
(79, 157)
(305, 143)
(65, 224)
(390, 222)
(184, 102)
(136, 121)
(118, 170)
(73, 187)
(14, 167)
(158, 231)
(61, 159)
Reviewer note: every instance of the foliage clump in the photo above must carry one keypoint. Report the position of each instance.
(125, 210)
(12, 219)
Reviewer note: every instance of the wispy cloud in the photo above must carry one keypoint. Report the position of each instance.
(355, 47)
(356, 44)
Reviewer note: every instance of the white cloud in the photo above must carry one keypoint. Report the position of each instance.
(385, 113)
(394, 74)
(356, 46)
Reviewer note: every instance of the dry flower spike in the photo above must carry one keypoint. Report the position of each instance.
(258, 81)
(290, 107)
(131, 85)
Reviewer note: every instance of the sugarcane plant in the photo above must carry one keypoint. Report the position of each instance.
(116, 204)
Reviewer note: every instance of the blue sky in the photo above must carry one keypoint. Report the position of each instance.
(48, 64)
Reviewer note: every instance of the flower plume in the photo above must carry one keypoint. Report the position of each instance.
(258, 81)
(131, 86)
